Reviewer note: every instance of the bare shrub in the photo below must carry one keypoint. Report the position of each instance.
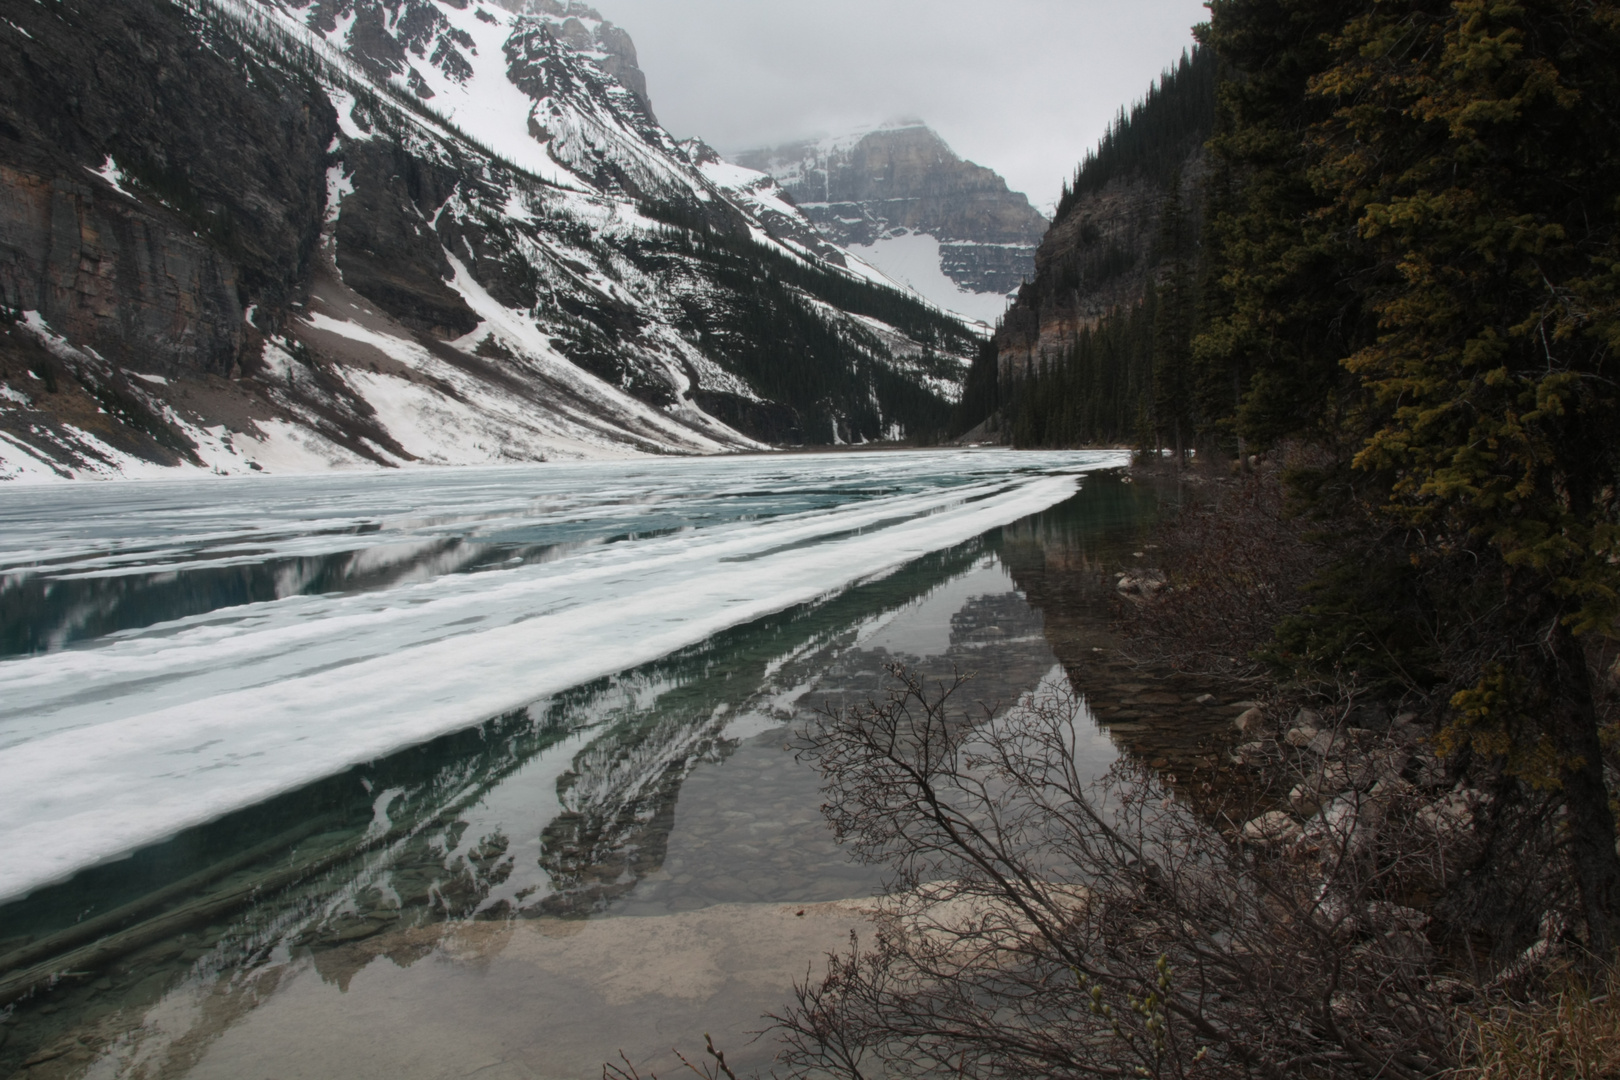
(1046, 923)
(706, 1070)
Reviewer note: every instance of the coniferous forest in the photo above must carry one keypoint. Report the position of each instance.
(1376, 327)
(1398, 275)
(1101, 385)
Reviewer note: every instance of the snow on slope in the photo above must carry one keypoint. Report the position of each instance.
(597, 335)
(767, 200)
(570, 118)
(913, 258)
(125, 739)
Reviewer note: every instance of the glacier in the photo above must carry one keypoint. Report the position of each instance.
(115, 740)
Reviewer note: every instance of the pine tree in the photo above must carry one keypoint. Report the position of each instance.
(1422, 267)
(1474, 145)
(1287, 310)
(1172, 331)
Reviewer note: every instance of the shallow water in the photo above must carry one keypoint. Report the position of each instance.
(618, 865)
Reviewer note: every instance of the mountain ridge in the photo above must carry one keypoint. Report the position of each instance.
(467, 243)
(876, 185)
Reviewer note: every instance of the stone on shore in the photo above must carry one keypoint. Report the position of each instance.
(1252, 722)
(1274, 829)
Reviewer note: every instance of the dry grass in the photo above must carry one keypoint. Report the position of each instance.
(1574, 1036)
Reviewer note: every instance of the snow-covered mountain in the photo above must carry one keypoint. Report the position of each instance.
(902, 200)
(273, 235)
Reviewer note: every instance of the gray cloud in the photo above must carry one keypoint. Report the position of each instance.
(1023, 86)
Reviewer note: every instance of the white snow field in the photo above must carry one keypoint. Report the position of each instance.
(912, 259)
(119, 740)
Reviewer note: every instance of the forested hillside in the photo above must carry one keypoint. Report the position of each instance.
(1405, 288)
(1377, 334)
(1073, 359)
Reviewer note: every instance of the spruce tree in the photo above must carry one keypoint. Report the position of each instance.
(1475, 145)
(1172, 331)
(1422, 270)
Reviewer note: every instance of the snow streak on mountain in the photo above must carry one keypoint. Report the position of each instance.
(284, 235)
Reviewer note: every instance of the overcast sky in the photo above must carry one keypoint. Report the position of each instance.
(1023, 86)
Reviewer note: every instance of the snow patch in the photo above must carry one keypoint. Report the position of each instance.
(913, 259)
(345, 102)
(337, 186)
(112, 174)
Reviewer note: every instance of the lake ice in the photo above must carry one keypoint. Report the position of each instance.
(210, 644)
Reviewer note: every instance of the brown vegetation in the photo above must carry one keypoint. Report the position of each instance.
(1044, 922)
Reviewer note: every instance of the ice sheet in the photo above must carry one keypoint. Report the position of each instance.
(138, 734)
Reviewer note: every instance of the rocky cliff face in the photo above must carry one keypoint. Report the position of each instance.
(1098, 256)
(862, 190)
(1103, 248)
(286, 234)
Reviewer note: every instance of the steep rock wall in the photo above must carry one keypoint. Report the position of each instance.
(97, 96)
(1099, 255)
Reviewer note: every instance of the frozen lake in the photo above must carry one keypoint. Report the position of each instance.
(181, 650)
(485, 772)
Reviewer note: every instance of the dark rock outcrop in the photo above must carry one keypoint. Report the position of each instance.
(386, 247)
(232, 173)
(584, 29)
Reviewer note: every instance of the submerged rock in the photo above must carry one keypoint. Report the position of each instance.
(1255, 754)
(1142, 583)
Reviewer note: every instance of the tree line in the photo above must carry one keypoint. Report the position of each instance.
(1406, 284)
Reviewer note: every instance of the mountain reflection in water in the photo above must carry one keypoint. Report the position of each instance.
(664, 792)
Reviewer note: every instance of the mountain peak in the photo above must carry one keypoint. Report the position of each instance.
(439, 231)
(892, 188)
